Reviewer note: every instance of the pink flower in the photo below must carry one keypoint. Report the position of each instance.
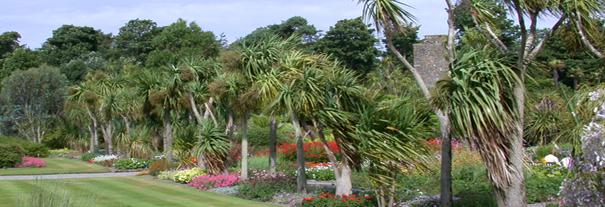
(31, 162)
(206, 182)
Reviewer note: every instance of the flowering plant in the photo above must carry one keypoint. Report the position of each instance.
(131, 163)
(31, 162)
(320, 171)
(185, 176)
(103, 158)
(314, 151)
(329, 199)
(206, 182)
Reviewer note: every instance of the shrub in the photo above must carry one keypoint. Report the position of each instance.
(543, 182)
(262, 186)
(29, 148)
(185, 176)
(206, 182)
(105, 160)
(329, 199)
(314, 151)
(322, 172)
(88, 156)
(132, 163)
(167, 175)
(157, 166)
(10, 155)
(31, 162)
(258, 132)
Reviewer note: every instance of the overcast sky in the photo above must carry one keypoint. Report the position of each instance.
(35, 19)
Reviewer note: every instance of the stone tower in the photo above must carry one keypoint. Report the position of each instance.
(430, 59)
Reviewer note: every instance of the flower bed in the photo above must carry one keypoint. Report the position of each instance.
(206, 182)
(314, 151)
(31, 162)
(329, 199)
(320, 171)
(105, 160)
(262, 186)
(130, 164)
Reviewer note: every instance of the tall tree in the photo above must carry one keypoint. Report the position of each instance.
(135, 39)
(33, 98)
(181, 40)
(390, 17)
(351, 42)
(9, 41)
(70, 42)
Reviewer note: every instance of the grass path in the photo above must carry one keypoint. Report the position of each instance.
(57, 166)
(121, 192)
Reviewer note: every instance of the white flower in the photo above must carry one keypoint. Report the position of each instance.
(103, 158)
(552, 159)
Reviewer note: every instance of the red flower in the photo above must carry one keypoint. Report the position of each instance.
(308, 199)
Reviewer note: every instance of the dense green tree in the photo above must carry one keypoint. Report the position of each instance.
(404, 41)
(351, 42)
(181, 40)
(9, 41)
(135, 39)
(70, 42)
(296, 25)
(20, 59)
(32, 98)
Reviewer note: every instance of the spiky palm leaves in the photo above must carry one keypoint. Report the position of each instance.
(212, 146)
(479, 98)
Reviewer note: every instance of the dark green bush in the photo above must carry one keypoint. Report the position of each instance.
(263, 189)
(88, 156)
(10, 155)
(56, 139)
(30, 148)
(543, 183)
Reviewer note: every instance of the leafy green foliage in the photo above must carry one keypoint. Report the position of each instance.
(20, 59)
(29, 148)
(70, 42)
(9, 41)
(352, 43)
(135, 39)
(181, 40)
(10, 155)
(88, 156)
(263, 189)
(132, 163)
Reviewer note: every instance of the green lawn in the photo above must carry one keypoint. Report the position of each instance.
(120, 192)
(57, 166)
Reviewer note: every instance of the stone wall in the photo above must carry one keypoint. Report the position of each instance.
(430, 59)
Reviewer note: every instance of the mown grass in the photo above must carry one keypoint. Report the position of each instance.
(121, 192)
(57, 166)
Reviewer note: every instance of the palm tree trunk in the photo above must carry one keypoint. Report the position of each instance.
(244, 131)
(193, 105)
(272, 145)
(514, 194)
(208, 113)
(92, 139)
(108, 138)
(342, 170)
(446, 159)
(301, 181)
(167, 135)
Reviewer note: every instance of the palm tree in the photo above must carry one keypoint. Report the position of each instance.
(389, 16)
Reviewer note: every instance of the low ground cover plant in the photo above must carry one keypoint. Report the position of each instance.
(185, 176)
(325, 199)
(320, 171)
(132, 163)
(262, 186)
(206, 182)
(31, 162)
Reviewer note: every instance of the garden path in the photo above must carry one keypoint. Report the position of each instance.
(68, 176)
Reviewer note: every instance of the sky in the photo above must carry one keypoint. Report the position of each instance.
(36, 19)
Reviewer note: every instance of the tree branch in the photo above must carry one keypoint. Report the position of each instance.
(532, 55)
(406, 63)
(584, 38)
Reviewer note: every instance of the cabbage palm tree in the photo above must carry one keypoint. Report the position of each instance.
(390, 17)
